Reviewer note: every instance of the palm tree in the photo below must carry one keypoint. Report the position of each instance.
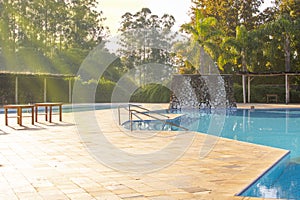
(236, 49)
(205, 33)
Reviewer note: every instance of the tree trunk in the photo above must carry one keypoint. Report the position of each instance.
(287, 53)
(244, 62)
(202, 61)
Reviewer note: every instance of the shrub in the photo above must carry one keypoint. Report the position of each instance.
(152, 93)
(104, 90)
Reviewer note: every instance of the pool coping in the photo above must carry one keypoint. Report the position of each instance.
(263, 170)
(267, 106)
(264, 173)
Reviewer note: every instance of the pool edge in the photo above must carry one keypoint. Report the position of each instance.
(263, 173)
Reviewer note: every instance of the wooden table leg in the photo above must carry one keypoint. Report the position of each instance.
(32, 115)
(20, 116)
(46, 113)
(60, 113)
(50, 114)
(6, 117)
(36, 113)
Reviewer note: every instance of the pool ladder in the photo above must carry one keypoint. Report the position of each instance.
(136, 110)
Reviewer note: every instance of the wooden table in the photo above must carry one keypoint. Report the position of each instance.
(19, 108)
(46, 106)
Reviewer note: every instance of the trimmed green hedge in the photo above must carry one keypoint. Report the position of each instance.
(31, 90)
(7, 88)
(152, 93)
(104, 91)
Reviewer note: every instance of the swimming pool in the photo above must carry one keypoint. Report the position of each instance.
(272, 127)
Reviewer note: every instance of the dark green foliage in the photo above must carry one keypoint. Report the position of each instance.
(57, 90)
(7, 88)
(238, 92)
(114, 71)
(104, 90)
(295, 96)
(259, 93)
(30, 89)
(152, 93)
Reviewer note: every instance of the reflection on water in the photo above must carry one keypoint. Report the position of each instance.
(276, 128)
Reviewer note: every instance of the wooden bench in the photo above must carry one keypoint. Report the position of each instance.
(50, 113)
(272, 98)
(19, 108)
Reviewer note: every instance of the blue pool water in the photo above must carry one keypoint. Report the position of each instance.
(274, 127)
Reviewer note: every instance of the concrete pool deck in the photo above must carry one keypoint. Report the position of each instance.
(50, 161)
(267, 106)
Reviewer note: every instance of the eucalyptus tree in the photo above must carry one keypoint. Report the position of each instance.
(145, 38)
(289, 20)
(85, 24)
(41, 33)
(283, 37)
(280, 36)
(9, 31)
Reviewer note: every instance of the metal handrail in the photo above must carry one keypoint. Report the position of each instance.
(119, 112)
(133, 105)
(135, 112)
(127, 107)
(164, 121)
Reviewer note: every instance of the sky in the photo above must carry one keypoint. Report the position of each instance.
(114, 9)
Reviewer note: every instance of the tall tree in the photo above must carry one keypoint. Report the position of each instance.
(230, 14)
(282, 35)
(288, 7)
(42, 34)
(145, 38)
(243, 52)
(205, 32)
(85, 24)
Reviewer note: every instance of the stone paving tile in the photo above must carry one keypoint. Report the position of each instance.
(165, 197)
(78, 196)
(107, 196)
(50, 161)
